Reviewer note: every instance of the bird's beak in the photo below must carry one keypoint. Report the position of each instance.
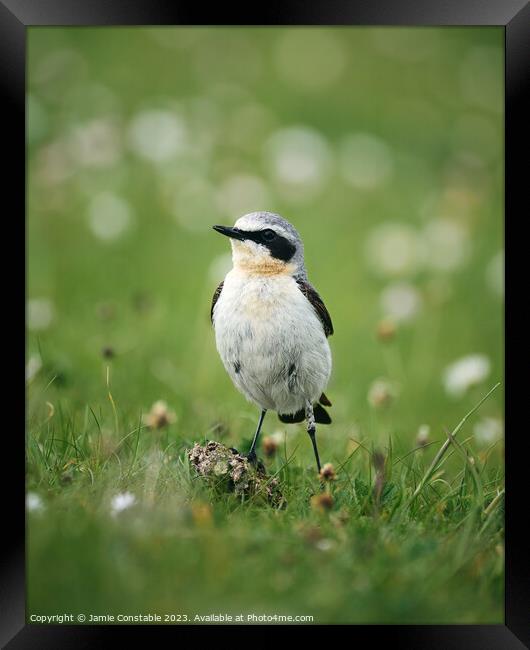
(234, 233)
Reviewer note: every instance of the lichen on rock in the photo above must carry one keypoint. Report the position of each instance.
(226, 470)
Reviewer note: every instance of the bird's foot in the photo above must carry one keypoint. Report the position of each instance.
(255, 461)
(252, 458)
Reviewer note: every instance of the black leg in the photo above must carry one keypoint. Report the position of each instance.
(312, 430)
(252, 453)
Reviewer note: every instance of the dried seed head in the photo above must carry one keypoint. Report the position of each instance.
(322, 502)
(159, 416)
(325, 545)
(381, 393)
(269, 446)
(386, 330)
(108, 352)
(327, 473)
(422, 438)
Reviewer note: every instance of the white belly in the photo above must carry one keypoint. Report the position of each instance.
(271, 341)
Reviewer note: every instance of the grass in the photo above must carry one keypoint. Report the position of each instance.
(414, 533)
(425, 546)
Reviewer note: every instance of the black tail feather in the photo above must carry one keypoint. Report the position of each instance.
(291, 418)
(320, 413)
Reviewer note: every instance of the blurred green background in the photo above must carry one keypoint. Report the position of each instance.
(383, 146)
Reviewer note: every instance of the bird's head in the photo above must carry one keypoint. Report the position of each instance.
(263, 243)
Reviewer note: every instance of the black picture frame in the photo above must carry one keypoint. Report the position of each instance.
(514, 16)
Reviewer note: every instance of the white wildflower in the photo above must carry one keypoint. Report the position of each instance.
(96, 143)
(109, 216)
(157, 135)
(422, 437)
(278, 437)
(33, 365)
(381, 393)
(324, 545)
(299, 160)
(400, 301)
(365, 161)
(447, 244)
(40, 313)
(394, 249)
(121, 502)
(34, 502)
(488, 430)
(465, 373)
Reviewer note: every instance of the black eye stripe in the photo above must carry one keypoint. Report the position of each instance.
(279, 247)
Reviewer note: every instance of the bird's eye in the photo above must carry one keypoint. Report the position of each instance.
(268, 235)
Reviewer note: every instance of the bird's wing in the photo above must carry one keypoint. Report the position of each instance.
(215, 298)
(320, 308)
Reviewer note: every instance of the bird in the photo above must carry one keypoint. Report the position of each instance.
(271, 325)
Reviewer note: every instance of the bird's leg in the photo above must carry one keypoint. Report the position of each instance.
(252, 453)
(312, 429)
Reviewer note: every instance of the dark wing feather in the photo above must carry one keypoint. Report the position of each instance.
(316, 301)
(321, 415)
(215, 298)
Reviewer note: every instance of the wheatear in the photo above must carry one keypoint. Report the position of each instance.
(271, 326)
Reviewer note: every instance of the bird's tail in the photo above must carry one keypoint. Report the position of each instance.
(320, 413)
